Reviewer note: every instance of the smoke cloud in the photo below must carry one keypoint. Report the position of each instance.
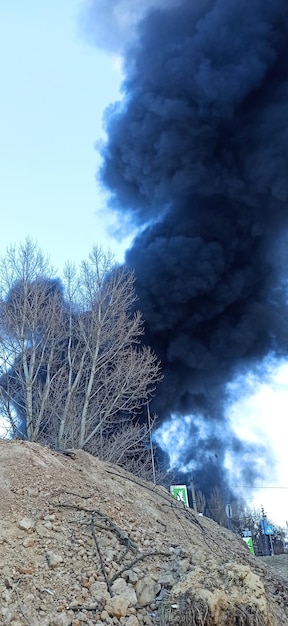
(110, 25)
(197, 156)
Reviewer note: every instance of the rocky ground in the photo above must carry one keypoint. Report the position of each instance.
(85, 543)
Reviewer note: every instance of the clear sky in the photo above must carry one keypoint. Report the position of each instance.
(54, 89)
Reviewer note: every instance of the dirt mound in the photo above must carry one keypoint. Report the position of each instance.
(84, 542)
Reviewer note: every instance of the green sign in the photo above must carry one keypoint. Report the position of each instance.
(179, 492)
(249, 542)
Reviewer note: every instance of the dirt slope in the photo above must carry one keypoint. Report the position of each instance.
(83, 542)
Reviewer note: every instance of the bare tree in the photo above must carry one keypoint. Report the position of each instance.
(73, 363)
(127, 446)
(216, 507)
(29, 315)
(110, 375)
(200, 501)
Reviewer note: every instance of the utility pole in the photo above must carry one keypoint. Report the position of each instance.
(223, 494)
(194, 504)
(263, 523)
(151, 444)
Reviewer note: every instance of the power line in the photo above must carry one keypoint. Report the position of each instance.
(258, 488)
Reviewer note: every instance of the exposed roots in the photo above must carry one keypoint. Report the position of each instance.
(192, 611)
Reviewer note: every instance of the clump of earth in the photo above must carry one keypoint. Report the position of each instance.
(83, 542)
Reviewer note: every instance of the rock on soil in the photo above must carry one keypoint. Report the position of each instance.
(83, 542)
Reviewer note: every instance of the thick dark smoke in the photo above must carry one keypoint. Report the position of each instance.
(197, 155)
(111, 23)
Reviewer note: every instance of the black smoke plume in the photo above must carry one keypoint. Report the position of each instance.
(197, 156)
(110, 24)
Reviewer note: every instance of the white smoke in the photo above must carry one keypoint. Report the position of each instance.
(111, 24)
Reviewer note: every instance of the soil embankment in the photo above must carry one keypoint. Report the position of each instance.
(84, 542)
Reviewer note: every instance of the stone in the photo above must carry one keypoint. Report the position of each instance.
(118, 586)
(132, 621)
(29, 541)
(42, 531)
(99, 591)
(121, 588)
(131, 595)
(50, 517)
(184, 565)
(166, 580)
(24, 570)
(48, 525)
(33, 491)
(117, 606)
(59, 620)
(53, 559)
(131, 576)
(145, 590)
(26, 523)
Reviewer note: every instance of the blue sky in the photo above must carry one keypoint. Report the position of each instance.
(54, 89)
